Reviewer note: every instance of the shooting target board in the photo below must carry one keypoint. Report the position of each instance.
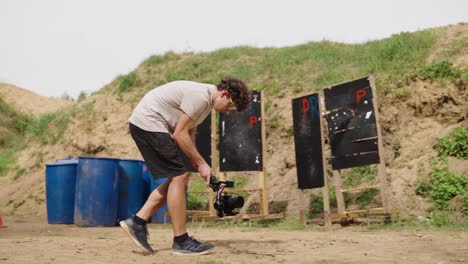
(352, 128)
(308, 141)
(240, 138)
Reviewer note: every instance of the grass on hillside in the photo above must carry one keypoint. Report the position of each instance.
(7, 158)
(448, 191)
(12, 125)
(21, 129)
(302, 68)
(455, 145)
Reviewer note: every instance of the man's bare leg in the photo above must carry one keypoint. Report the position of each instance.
(155, 201)
(139, 231)
(176, 202)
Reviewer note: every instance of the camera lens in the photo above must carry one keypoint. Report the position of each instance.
(232, 203)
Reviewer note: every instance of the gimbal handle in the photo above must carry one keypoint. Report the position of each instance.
(215, 184)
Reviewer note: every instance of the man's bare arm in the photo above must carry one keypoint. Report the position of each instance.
(192, 133)
(184, 135)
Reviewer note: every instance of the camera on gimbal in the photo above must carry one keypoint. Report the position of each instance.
(223, 203)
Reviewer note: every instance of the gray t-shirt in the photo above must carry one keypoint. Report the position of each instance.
(161, 108)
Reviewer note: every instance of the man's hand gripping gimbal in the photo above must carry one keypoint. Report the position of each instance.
(223, 203)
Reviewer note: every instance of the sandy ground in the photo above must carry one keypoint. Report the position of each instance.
(34, 241)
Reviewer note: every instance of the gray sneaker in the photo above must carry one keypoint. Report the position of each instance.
(191, 246)
(139, 234)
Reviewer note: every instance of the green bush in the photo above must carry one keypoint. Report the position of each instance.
(316, 202)
(316, 205)
(440, 219)
(464, 75)
(82, 96)
(49, 127)
(423, 189)
(439, 70)
(277, 207)
(12, 119)
(7, 158)
(443, 185)
(126, 82)
(455, 145)
(465, 203)
(194, 202)
(365, 197)
(359, 175)
(21, 129)
(39, 128)
(197, 201)
(273, 121)
(13, 127)
(240, 182)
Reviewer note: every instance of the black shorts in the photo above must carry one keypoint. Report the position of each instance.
(160, 152)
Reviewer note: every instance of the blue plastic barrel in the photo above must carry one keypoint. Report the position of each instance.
(132, 188)
(147, 178)
(96, 193)
(60, 191)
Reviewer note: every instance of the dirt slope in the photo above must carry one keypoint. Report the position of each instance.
(29, 102)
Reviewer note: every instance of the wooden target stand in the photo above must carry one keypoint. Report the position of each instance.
(210, 215)
(378, 214)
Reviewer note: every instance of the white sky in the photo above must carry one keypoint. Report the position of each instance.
(57, 46)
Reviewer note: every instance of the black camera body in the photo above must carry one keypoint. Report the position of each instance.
(225, 204)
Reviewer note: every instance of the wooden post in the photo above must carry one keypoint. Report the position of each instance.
(214, 160)
(339, 194)
(211, 197)
(325, 190)
(262, 174)
(222, 176)
(326, 206)
(263, 194)
(381, 167)
(302, 216)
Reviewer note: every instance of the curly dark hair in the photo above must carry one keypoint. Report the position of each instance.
(237, 90)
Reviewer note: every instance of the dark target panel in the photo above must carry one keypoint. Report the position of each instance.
(352, 128)
(240, 138)
(203, 143)
(308, 141)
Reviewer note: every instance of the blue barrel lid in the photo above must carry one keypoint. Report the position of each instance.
(61, 162)
(132, 160)
(100, 158)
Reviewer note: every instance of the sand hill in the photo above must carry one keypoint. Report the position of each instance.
(29, 102)
(410, 125)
